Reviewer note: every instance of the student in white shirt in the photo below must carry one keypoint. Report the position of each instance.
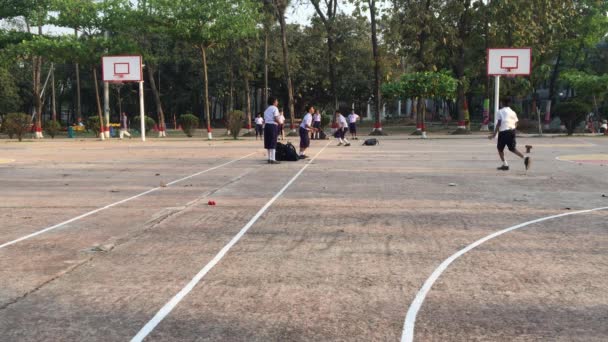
(342, 129)
(316, 125)
(259, 126)
(281, 122)
(352, 124)
(271, 116)
(305, 128)
(505, 128)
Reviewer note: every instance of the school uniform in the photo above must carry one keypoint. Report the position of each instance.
(352, 123)
(342, 129)
(271, 116)
(281, 124)
(316, 121)
(506, 131)
(304, 131)
(259, 126)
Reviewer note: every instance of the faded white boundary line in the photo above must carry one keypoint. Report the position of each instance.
(410, 318)
(167, 308)
(6, 244)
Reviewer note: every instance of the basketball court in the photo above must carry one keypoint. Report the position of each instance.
(116, 240)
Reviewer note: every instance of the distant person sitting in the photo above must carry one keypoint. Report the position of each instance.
(604, 127)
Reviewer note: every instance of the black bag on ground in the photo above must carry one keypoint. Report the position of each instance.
(322, 135)
(371, 142)
(286, 152)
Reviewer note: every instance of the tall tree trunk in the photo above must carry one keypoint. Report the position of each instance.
(231, 95)
(328, 22)
(159, 106)
(265, 91)
(53, 94)
(488, 91)
(248, 103)
(377, 99)
(203, 49)
(99, 110)
(331, 56)
(78, 98)
(281, 15)
(37, 94)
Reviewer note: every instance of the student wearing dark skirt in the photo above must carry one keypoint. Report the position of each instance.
(305, 128)
(271, 116)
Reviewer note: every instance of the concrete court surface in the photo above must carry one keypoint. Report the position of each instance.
(339, 256)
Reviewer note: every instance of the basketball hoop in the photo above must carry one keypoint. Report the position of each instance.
(510, 73)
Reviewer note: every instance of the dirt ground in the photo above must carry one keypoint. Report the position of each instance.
(338, 257)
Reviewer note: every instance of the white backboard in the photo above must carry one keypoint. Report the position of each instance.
(510, 61)
(122, 69)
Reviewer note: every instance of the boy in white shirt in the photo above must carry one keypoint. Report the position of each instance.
(305, 128)
(342, 129)
(271, 116)
(259, 126)
(352, 124)
(505, 127)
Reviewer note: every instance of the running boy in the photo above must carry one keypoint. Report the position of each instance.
(342, 129)
(505, 127)
(352, 124)
(271, 116)
(259, 126)
(305, 128)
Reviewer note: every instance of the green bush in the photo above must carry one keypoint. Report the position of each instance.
(571, 114)
(93, 124)
(148, 123)
(189, 124)
(234, 121)
(17, 124)
(51, 128)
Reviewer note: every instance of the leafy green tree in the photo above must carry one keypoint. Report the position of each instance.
(423, 85)
(9, 93)
(205, 24)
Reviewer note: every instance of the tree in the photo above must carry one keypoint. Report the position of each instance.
(279, 7)
(328, 18)
(9, 93)
(588, 85)
(423, 85)
(205, 24)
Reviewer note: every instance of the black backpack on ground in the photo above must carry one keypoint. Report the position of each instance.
(322, 135)
(371, 142)
(286, 152)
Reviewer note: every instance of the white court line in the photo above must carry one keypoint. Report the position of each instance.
(167, 308)
(410, 318)
(6, 244)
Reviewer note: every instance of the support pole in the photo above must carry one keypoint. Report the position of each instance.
(142, 111)
(106, 101)
(496, 98)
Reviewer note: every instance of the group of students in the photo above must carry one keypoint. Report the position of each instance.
(270, 126)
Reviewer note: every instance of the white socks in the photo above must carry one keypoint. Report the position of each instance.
(504, 163)
(272, 154)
